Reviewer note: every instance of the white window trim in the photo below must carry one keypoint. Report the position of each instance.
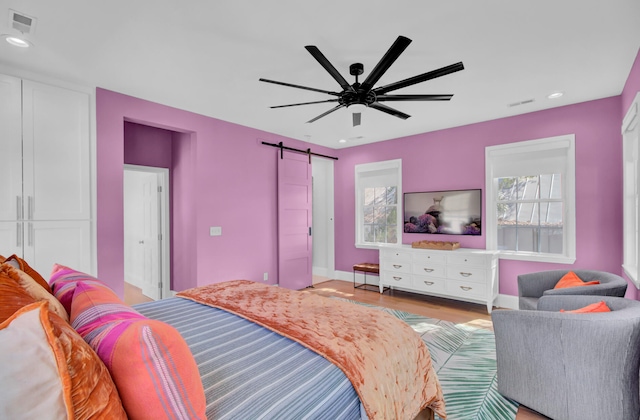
(361, 169)
(630, 144)
(569, 188)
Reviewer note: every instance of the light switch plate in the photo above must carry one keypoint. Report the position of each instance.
(215, 231)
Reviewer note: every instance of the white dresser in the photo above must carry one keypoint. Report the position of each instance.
(469, 275)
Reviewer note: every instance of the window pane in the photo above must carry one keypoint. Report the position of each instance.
(381, 195)
(507, 189)
(368, 233)
(392, 215)
(556, 186)
(368, 214)
(392, 234)
(380, 233)
(527, 238)
(506, 213)
(379, 215)
(528, 188)
(369, 195)
(392, 195)
(554, 215)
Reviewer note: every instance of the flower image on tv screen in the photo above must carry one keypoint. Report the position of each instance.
(456, 212)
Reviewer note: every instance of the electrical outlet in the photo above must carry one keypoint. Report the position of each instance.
(265, 276)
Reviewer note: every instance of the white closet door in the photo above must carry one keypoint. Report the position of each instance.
(56, 153)
(63, 242)
(10, 148)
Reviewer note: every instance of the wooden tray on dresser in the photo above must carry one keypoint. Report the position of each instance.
(446, 246)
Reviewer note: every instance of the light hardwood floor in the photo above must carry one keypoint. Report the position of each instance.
(446, 309)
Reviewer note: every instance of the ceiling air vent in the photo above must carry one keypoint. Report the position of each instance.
(526, 101)
(21, 22)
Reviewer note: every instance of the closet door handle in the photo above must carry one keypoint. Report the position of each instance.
(19, 235)
(30, 235)
(30, 207)
(19, 214)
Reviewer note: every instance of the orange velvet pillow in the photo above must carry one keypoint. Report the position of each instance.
(31, 272)
(594, 307)
(571, 279)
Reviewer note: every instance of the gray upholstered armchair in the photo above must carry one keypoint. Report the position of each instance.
(534, 285)
(571, 366)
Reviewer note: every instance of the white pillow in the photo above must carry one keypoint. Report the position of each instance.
(32, 368)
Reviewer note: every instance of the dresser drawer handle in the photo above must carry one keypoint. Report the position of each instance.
(397, 266)
(463, 274)
(428, 270)
(397, 278)
(466, 288)
(428, 283)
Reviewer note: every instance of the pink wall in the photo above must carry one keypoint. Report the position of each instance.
(454, 159)
(233, 185)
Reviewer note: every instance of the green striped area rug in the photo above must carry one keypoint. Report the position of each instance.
(464, 357)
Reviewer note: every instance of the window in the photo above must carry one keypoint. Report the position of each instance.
(631, 174)
(531, 199)
(378, 192)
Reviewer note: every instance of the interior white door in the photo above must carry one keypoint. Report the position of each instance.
(150, 236)
(142, 229)
(295, 252)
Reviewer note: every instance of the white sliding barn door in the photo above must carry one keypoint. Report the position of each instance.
(294, 221)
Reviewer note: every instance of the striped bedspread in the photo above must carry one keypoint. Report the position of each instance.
(249, 372)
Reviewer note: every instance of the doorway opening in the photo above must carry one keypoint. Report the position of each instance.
(146, 230)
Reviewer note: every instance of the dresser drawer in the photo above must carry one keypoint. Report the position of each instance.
(396, 266)
(467, 274)
(396, 279)
(425, 257)
(464, 289)
(467, 259)
(428, 269)
(429, 284)
(395, 255)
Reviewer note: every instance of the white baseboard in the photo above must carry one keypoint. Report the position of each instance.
(502, 301)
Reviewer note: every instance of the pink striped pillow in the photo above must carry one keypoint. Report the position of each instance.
(63, 283)
(149, 361)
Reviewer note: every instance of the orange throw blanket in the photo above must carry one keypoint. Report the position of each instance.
(386, 361)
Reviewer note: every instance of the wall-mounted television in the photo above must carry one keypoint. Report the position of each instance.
(454, 212)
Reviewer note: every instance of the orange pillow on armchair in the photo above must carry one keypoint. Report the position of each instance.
(571, 279)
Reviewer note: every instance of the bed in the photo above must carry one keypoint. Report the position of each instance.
(206, 353)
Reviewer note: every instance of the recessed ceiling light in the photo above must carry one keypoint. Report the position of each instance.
(555, 95)
(16, 41)
(342, 141)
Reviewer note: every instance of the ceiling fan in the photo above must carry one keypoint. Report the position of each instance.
(364, 93)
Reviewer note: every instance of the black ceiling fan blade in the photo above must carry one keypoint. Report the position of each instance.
(400, 44)
(357, 118)
(395, 98)
(305, 103)
(326, 113)
(315, 52)
(300, 87)
(420, 78)
(389, 110)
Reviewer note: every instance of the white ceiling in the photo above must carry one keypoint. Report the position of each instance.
(207, 56)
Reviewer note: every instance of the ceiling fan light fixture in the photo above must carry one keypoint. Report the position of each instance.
(357, 107)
